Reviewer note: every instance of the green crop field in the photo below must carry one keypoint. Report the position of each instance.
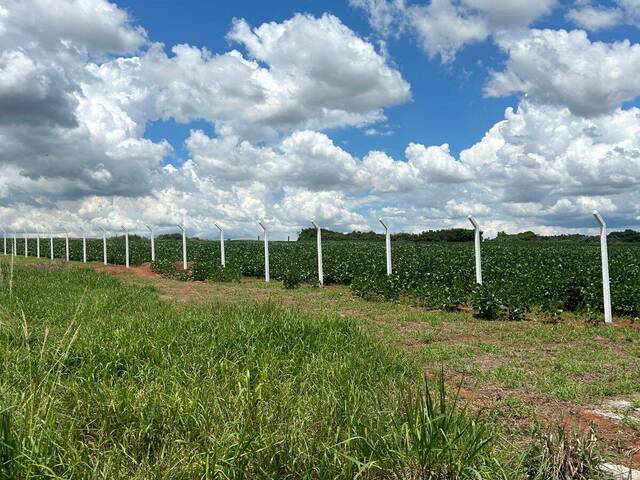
(519, 277)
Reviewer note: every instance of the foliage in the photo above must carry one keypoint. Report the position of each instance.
(562, 454)
(164, 267)
(520, 276)
(291, 278)
(381, 287)
(485, 303)
(445, 235)
(103, 379)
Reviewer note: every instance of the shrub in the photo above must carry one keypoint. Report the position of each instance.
(166, 268)
(485, 303)
(291, 278)
(213, 271)
(381, 287)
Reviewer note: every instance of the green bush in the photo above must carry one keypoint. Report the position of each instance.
(211, 270)
(485, 303)
(382, 287)
(164, 267)
(291, 278)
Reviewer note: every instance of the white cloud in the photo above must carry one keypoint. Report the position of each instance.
(595, 18)
(566, 68)
(444, 27)
(94, 26)
(72, 125)
(305, 72)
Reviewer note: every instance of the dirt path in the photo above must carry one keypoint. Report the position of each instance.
(421, 331)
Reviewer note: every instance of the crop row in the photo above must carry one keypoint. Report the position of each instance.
(518, 277)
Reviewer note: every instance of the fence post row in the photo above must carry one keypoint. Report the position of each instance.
(387, 241)
(319, 244)
(126, 246)
(604, 255)
(153, 246)
(222, 259)
(476, 242)
(266, 250)
(477, 246)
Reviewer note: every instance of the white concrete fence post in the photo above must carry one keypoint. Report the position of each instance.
(222, 259)
(51, 245)
(38, 244)
(604, 255)
(84, 246)
(104, 245)
(319, 248)
(15, 244)
(153, 244)
(4, 235)
(66, 245)
(387, 241)
(184, 244)
(26, 245)
(126, 246)
(266, 250)
(476, 238)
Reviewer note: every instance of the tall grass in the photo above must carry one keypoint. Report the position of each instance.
(105, 380)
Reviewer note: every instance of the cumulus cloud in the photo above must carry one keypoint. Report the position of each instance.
(305, 72)
(566, 68)
(444, 27)
(595, 18)
(75, 103)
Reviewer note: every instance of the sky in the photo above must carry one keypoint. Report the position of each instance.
(523, 114)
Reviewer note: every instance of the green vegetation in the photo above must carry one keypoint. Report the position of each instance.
(104, 380)
(445, 235)
(551, 277)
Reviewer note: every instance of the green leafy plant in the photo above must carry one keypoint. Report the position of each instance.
(485, 303)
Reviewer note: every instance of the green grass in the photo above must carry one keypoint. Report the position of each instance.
(101, 379)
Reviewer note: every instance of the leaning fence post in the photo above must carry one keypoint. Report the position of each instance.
(319, 243)
(476, 238)
(606, 293)
(184, 244)
(222, 259)
(153, 245)
(126, 246)
(387, 242)
(266, 250)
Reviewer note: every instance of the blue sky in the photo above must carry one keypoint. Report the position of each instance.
(230, 111)
(447, 103)
(446, 106)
